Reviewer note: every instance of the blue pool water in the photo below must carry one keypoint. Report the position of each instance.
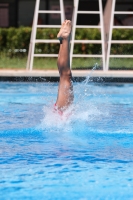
(88, 155)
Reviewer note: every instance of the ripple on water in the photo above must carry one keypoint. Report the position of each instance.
(85, 154)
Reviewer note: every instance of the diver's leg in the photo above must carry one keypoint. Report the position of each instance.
(65, 90)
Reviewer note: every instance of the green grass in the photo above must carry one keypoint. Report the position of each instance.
(20, 63)
(121, 63)
(50, 63)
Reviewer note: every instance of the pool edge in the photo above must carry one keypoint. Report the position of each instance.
(53, 75)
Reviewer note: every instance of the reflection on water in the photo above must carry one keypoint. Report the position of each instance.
(85, 154)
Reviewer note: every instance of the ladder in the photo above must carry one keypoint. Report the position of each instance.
(33, 39)
(110, 41)
(101, 27)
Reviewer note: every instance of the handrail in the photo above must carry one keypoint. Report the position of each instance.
(73, 41)
(33, 39)
(110, 41)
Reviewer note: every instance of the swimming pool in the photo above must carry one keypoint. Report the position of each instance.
(88, 155)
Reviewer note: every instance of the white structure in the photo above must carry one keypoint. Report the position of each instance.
(33, 39)
(111, 27)
(101, 27)
(106, 26)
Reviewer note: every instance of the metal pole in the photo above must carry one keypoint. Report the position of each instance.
(110, 33)
(33, 36)
(74, 21)
(62, 11)
(102, 33)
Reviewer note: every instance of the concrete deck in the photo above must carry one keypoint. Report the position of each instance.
(76, 73)
(112, 74)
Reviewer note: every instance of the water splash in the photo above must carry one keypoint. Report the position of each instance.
(93, 110)
(83, 110)
(89, 75)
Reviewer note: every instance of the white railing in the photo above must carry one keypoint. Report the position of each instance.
(105, 55)
(73, 41)
(110, 41)
(33, 39)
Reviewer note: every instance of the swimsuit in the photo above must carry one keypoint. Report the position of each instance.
(56, 109)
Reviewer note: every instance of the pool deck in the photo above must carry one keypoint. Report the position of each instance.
(111, 75)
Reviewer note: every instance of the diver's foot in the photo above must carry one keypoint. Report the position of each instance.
(65, 30)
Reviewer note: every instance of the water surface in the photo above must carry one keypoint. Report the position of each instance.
(85, 154)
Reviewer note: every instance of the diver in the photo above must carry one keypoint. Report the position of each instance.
(65, 89)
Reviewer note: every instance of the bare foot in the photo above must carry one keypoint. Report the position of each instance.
(65, 30)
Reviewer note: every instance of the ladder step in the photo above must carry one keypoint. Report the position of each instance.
(124, 27)
(123, 12)
(50, 11)
(45, 55)
(86, 56)
(88, 41)
(46, 41)
(74, 55)
(48, 26)
(58, 26)
(121, 42)
(121, 56)
(88, 12)
(75, 41)
(82, 26)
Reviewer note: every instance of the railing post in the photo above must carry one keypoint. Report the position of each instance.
(74, 21)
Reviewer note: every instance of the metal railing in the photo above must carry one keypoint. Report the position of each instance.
(73, 41)
(33, 39)
(110, 41)
(105, 55)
